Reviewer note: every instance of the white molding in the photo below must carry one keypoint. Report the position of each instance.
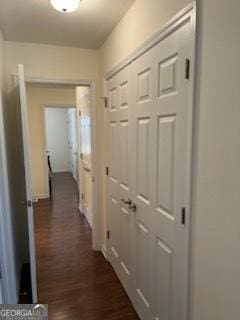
(67, 170)
(64, 82)
(95, 162)
(40, 196)
(80, 208)
(58, 105)
(180, 18)
(46, 173)
(104, 251)
(88, 217)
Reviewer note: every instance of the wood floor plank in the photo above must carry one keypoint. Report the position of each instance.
(75, 281)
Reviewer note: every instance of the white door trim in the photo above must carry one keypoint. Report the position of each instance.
(187, 14)
(96, 228)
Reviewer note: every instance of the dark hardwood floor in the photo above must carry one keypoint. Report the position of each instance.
(74, 281)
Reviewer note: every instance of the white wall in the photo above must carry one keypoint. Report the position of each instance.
(51, 62)
(217, 194)
(57, 133)
(143, 19)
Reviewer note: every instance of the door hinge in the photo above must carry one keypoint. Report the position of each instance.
(80, 113)
(108, 234)
(187, 69)
(82, 196)
(107, 171)
(81, 155)
(183, 218)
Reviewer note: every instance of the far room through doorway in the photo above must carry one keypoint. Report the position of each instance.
(61, 142)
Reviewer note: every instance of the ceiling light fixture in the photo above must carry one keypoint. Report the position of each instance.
(65, 5)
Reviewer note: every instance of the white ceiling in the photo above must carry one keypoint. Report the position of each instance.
(36, 21)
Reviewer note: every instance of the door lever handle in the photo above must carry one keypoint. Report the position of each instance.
(129, 202)
(133, 207)
(27, 203)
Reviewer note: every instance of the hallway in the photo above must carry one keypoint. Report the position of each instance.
(74, 281)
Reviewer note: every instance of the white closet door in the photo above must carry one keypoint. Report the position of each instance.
(149, 130)
(119, 191)
(160, 128)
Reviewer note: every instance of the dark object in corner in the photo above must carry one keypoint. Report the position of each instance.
(49, 175)
(25, 295)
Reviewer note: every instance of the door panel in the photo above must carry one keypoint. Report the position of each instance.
(165, 163)
(120, 218)
(148, 125)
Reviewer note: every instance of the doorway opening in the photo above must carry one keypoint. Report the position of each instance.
(61, 144)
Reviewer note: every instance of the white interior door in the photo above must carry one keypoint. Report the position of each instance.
(72, 120)
(27, 202)
(150, 128)
(120, 218)
(85, 166)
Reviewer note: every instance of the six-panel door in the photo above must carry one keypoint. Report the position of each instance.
(149, 117)
(119, 192)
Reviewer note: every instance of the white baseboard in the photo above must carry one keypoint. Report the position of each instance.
(104, 251)
(40, 196)
(80, 208)
(86, 214)
(88, 217)
(61, 170)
